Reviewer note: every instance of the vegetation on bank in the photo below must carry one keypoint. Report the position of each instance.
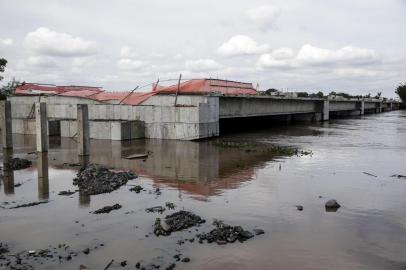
(401, 91)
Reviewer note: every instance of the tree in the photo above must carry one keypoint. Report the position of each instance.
(302, 94)
(378, 96)
(401, 91)
(320, 94)
(3, 63)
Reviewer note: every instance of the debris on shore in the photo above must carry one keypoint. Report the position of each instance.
(107, 209)
(299, 207)
(176, 222)
(17, 164)
(96, 179)
(224, 234)
(332, 206)
(28, 204)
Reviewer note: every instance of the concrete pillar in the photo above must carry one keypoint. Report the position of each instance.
(362, 108)
(325, 116)
(322, 110)
(6, 124)
(83, 130)
(380, 107)
(41, 126)
(43, 179)
(391, 106)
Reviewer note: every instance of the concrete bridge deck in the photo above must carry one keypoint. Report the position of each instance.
(194, 116)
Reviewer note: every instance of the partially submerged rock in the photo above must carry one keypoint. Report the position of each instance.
(17, 164)
(97, 179)
(107, 209)
(332, 206)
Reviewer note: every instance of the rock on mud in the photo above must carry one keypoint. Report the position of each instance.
(97, 179)
(332, 206)
(176, 222)
(28, 204)
(17, 164)
(107, 209)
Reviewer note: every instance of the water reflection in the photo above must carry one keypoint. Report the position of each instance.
(200, 168)
(8, 173)
(43, 177)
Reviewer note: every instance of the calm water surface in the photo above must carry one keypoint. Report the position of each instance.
(251, 189)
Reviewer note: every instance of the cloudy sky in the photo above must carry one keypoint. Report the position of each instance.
(357, 46)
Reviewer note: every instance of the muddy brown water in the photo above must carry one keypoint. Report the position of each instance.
(251, 189)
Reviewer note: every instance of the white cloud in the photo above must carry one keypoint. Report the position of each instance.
(202, 65)
(309, 54)
(128, 52)
(40, 62)
(6, 41)
(241, 45)
(264, 16)
(44, 41)
(130, 64)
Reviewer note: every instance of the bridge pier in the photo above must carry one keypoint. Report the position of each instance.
(6, 124)
(361, 107)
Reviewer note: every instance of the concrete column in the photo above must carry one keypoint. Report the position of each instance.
(325, 116)
(6, 124)
(391, 106)
(83, 130)
(362, 108)
(43, 179)
(379, 109)
(322, 110)
(41, 125)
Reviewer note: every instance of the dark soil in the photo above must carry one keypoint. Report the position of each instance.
(97, 179)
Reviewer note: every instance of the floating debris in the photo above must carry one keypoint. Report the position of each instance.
(399, 176)
(155, 209)
(66, 193)
(137, 156)
(28, 204)
(170, 205)
(107, 209)
(97, 179)
(299, 207)
(370, 174)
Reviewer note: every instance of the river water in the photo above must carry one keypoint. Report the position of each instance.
(247, 188)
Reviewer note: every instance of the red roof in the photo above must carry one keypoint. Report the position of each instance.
(196, 87)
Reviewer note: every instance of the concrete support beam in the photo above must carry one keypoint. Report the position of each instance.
(6, 124)
(83, 130)
(41, 125)
(325, 111)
